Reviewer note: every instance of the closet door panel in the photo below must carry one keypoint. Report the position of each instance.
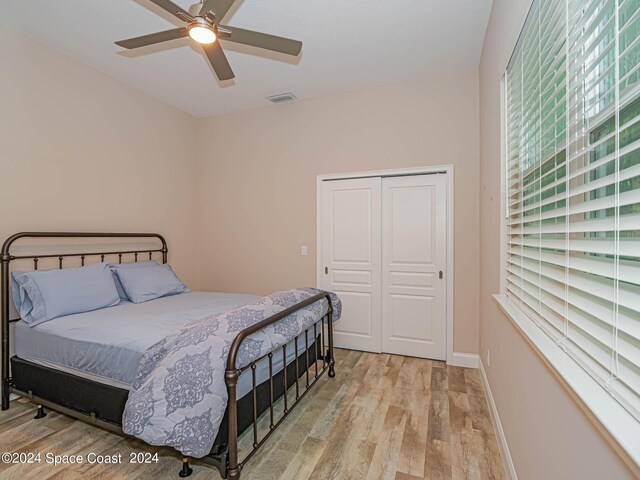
(351, 256)
(413, 255)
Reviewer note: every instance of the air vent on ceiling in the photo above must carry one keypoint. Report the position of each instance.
(282, 97)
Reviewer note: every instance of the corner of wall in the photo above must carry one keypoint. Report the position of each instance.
(505, 454)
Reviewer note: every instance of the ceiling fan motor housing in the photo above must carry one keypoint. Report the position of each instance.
(194, 10)
(204, 22)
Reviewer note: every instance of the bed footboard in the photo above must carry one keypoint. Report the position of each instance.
(231, 466)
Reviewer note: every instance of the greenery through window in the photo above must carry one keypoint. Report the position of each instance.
(573, 184)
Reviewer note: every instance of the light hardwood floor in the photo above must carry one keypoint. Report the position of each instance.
(381, 417)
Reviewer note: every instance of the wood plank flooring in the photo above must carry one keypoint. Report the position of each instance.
(381, 417)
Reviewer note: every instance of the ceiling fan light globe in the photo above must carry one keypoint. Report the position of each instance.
(203, 35)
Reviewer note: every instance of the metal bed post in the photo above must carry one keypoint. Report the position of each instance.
(4, 314)
(231, 378)
(332, 362)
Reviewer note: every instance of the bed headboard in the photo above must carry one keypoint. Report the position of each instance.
(6, 257)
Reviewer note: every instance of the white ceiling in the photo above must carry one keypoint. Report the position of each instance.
(347, 45)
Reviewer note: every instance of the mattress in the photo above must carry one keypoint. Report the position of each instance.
(106, 345)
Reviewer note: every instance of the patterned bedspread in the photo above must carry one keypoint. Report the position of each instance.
(179, 395)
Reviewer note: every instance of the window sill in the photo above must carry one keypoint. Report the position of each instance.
(616, 423)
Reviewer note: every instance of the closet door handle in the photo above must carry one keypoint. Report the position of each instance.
(440, 275)
(326, 270)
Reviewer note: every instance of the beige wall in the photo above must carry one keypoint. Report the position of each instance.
(257, 180)
(81, 151)
(548, 434)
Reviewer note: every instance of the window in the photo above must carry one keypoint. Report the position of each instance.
(573, 184)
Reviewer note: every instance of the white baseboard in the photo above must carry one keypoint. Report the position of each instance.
(467, 360)
(497, 426)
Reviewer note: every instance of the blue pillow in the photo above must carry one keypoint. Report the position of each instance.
(116, 281)
(43, 295)
(121, 292)
(148, 281)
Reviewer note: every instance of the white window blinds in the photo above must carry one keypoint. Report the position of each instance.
(573, 184)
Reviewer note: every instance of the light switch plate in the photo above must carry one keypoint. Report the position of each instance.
(304, 251)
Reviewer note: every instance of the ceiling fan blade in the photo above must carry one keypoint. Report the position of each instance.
(174, 10)
(218, 61)
(153, 38)
(263, 40)
(218, 7)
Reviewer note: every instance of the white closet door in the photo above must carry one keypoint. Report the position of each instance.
(414, 225)
(351, 256)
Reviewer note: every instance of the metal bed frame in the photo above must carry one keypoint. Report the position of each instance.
(224, 456)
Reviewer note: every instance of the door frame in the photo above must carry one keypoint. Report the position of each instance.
(398, 172)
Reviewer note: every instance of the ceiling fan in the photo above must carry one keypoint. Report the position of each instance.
(203, 26)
